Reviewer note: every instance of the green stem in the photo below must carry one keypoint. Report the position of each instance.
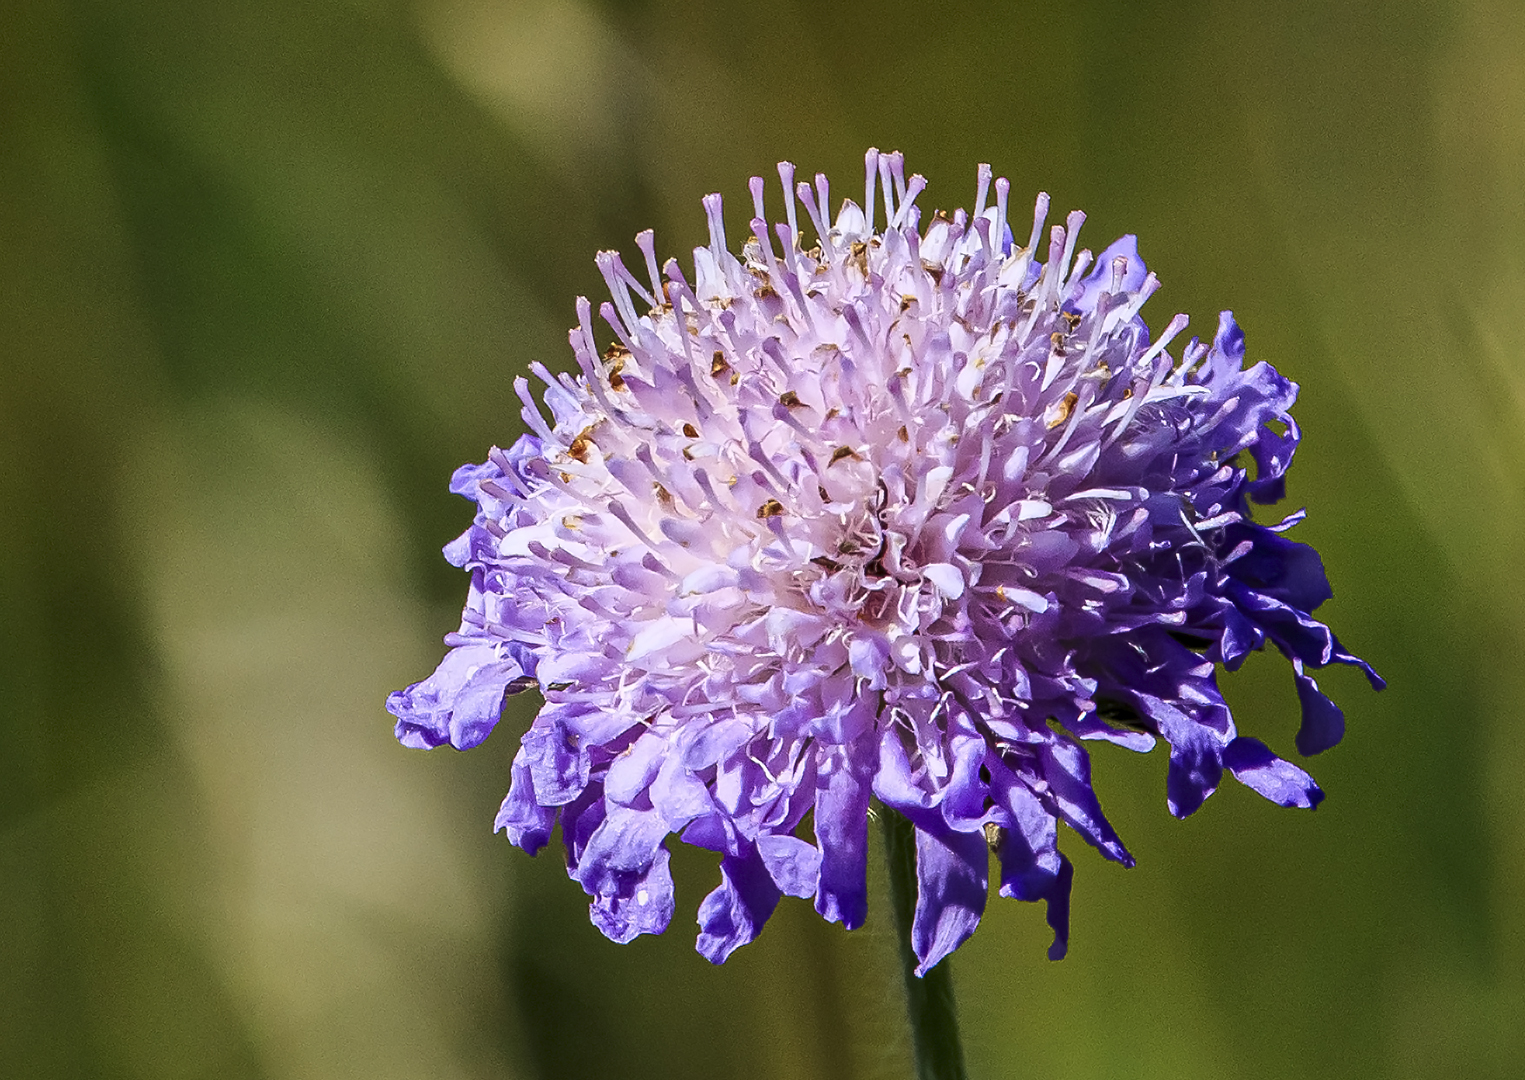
(929, 1000)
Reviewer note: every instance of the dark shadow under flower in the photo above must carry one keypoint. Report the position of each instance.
(909, 513)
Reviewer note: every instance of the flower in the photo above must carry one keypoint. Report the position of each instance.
(908, 514)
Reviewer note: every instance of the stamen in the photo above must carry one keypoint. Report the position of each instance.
(712, 213)
(917, 185)
(606, 262)
(897, 170)
(981, 191)
(813, 209)
(786, 177)
(1072, 234)
(823, 200)
(756, 186)
(1002, 190)
(645, 240)
(1040, 216)
(870, 174)
(531, 411)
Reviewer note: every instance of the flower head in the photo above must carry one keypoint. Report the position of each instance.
(909, 513)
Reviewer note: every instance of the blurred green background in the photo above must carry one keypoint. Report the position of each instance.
(266, 273)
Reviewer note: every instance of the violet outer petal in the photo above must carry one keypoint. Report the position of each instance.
(794, 865)
(643, 905)
(735, 912)
(624, 843)
(459, 703)
(1058, 913)
(964, 797)
(952, 881)
(1254, 766)
(841, 831)
(1032, 867)
(526, 822)
(1323, 723)
(559, 766)
(1067, 769)
(1195, 770)
(1196, 755)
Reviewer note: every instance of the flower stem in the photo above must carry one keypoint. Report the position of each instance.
(929, 999)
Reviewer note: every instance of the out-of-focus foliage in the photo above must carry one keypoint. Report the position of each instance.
(266, 273)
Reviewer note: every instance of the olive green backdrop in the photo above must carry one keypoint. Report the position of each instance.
(267, 271)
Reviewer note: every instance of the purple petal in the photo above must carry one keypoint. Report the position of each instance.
(526, 822)
(1067, 770)
(1323, 723)
(460, 703)
(641, 905)
(952, 882)
(794, 865)
(1254, 766)
(1032, 867)
(1195, 770)
(841, 831)
(1196, 753)
(624, 844)
(558, 763)
(964, 799)
(734, 913)
(678, 795)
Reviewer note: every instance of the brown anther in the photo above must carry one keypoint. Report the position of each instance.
(833, 412)
(771, 508)
(790, 400)
(1127, 392)
(842, 452)
(581, 445)
(906, 302)
(691, 431)
(859, 255)
(905, 436)
(616, 380)
(1071, 317)
(767, 292)
(718, 364)
(994, 834)
(940, 215)
(1066, 405)
(663, 495)
(825, 498)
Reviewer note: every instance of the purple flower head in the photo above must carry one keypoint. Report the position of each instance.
(910, 513)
